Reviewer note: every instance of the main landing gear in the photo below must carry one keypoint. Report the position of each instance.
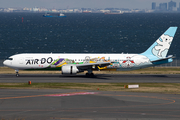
(17, 73)
(89, 73)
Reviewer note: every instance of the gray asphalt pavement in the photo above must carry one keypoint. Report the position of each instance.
(61, 104)
(100, 78)
(54, 104)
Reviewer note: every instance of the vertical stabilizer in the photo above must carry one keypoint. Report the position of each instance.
(159, 49)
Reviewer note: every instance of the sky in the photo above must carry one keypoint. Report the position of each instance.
(62, 4)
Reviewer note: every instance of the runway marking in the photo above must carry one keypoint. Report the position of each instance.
(21, 97)
(70, 118)
(61, 94)
(71, 94)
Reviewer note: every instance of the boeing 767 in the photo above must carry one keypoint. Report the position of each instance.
(71, 63)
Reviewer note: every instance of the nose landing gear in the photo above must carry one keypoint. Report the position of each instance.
(17, 73)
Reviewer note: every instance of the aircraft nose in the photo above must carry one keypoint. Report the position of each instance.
(5, 63)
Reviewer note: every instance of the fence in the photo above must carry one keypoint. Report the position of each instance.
(175, 63)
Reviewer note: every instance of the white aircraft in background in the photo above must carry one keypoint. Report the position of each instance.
(71, 63)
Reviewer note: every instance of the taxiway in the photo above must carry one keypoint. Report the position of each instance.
(100, 78)
(54, 104)
(63, 104)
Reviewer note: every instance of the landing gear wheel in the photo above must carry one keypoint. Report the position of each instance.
(17, 73)
(90, 75)
(87, 74)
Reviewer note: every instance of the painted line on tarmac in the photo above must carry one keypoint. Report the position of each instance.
(61, 94)
(71, 94)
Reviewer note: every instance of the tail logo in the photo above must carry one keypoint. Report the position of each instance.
(128, 63)
(162, 47)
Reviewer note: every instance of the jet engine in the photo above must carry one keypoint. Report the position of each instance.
(69, 69)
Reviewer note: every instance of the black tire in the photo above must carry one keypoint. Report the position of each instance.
(90, 75)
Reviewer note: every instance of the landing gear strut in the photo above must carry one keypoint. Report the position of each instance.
(90, 74)
(17, 73)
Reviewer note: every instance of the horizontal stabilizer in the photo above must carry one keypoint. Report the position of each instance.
(170, 56)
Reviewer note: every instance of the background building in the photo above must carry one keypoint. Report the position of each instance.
(153, 6)
(178, 8)
(163, 6)
(171, 5)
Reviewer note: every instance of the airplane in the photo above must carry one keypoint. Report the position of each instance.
(71, 63)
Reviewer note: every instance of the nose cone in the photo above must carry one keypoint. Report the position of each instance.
(6, 62)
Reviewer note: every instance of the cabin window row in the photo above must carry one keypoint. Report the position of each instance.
(95, 60)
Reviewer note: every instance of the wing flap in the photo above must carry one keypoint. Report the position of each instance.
(89, 65)
(92, 64)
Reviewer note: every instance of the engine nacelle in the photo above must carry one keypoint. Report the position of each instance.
(69, 69)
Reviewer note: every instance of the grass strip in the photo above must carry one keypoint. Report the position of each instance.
(170, 88)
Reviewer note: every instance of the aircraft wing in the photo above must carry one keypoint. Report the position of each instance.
(88, 65)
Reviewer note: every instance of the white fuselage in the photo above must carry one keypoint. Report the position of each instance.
(40, 61)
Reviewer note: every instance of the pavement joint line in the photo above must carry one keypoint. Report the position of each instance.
(150, 114)
(153, 97)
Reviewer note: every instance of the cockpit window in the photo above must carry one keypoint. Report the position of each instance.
(10, 58)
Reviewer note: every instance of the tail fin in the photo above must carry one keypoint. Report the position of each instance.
(159, 49)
